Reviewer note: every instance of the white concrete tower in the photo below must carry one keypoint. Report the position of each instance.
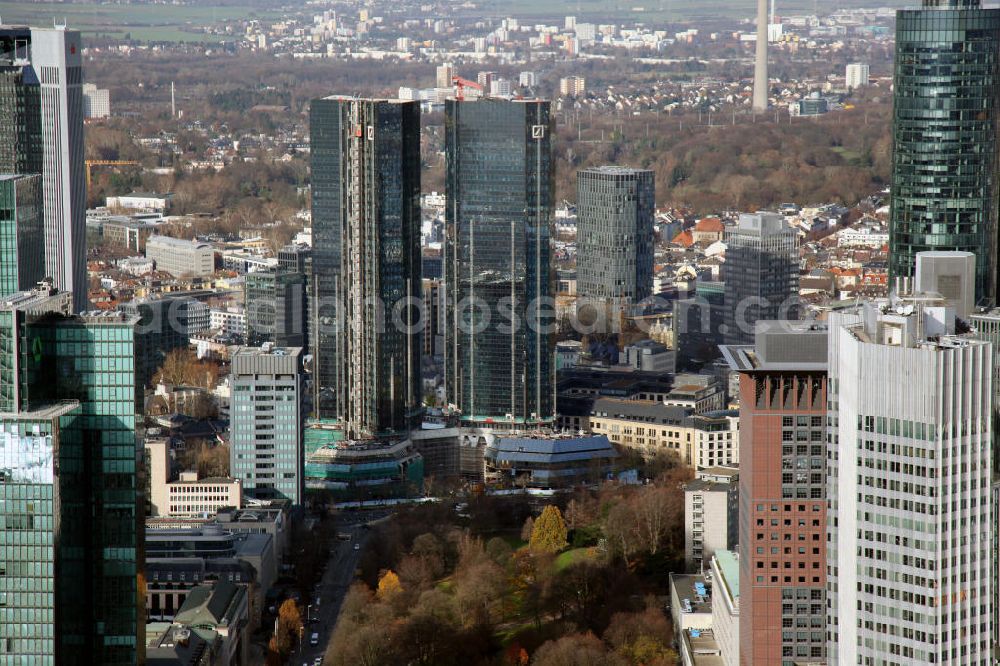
(56, 56)
(910, 517)
(760, 65)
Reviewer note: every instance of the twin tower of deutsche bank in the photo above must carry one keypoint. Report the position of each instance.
(367, 262)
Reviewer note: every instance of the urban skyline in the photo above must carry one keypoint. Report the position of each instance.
(530, 359)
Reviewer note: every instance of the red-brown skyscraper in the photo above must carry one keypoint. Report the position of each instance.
(782, 518)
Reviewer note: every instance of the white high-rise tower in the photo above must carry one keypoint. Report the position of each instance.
(910, 518)
(56, 58)
(760, 63)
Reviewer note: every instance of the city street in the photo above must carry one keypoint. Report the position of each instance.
(337, 579)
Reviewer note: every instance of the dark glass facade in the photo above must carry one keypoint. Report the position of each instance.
(761, 275)
(944, 187)
(21, 148)
(366, 262)
(615, 208)
(77, 514)
(499, 308)
(22, 233)
(276, 308)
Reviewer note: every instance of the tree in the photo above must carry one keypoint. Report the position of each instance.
(288, 630)
(526, 530)
(642, 638)
(389, 586)
(548, 535)
(576, 650)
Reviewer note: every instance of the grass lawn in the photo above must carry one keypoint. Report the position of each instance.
(574, 556)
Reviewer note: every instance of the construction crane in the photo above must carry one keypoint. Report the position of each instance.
(114, 163)
(460, 86)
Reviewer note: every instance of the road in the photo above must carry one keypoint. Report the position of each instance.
(337, 579)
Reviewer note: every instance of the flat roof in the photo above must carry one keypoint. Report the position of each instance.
(729, 566)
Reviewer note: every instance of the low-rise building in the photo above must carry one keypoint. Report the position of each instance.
(699, 393)
(126, 232)
(179, 558)
(363, 470)
(191, 496)
(650, 356)
(700, 440)
(181, 257)
(725, 568)
(548, 461)
(141, 201)
(219, 613)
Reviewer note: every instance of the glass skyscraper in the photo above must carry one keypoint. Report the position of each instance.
(499, 311)
(615, 209)
(22, 235)
(41, 132)
(71, 547)
(20, 105)
(761, 275)
(944, 172)
(365, 156)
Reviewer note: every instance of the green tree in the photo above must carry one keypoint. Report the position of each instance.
(548, 535)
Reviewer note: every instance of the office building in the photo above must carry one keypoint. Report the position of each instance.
(276, 308)
(356, 471)
(126, 232)
(950, 274)
(856, 75)
(711, 518)
(444, 75)
(538, 460)
(21, 145)
(615, 211)
(366, 262)
(761, 274)
(96, 101)
(296, 258)
(57, 58)
(725, 567)
(910, 525)
(944, 194)
(699, 324)
(22, 233)
(180, 557)
(500, 189)
(651, 427)
(267, 422)
(572, 86)
(179, 257)
(72, 550)
(782, 532)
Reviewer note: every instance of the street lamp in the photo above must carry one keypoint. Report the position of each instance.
(309, 614)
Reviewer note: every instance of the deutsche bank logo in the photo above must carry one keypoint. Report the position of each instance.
(538, 131)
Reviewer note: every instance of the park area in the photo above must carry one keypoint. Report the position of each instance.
(506, 581)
